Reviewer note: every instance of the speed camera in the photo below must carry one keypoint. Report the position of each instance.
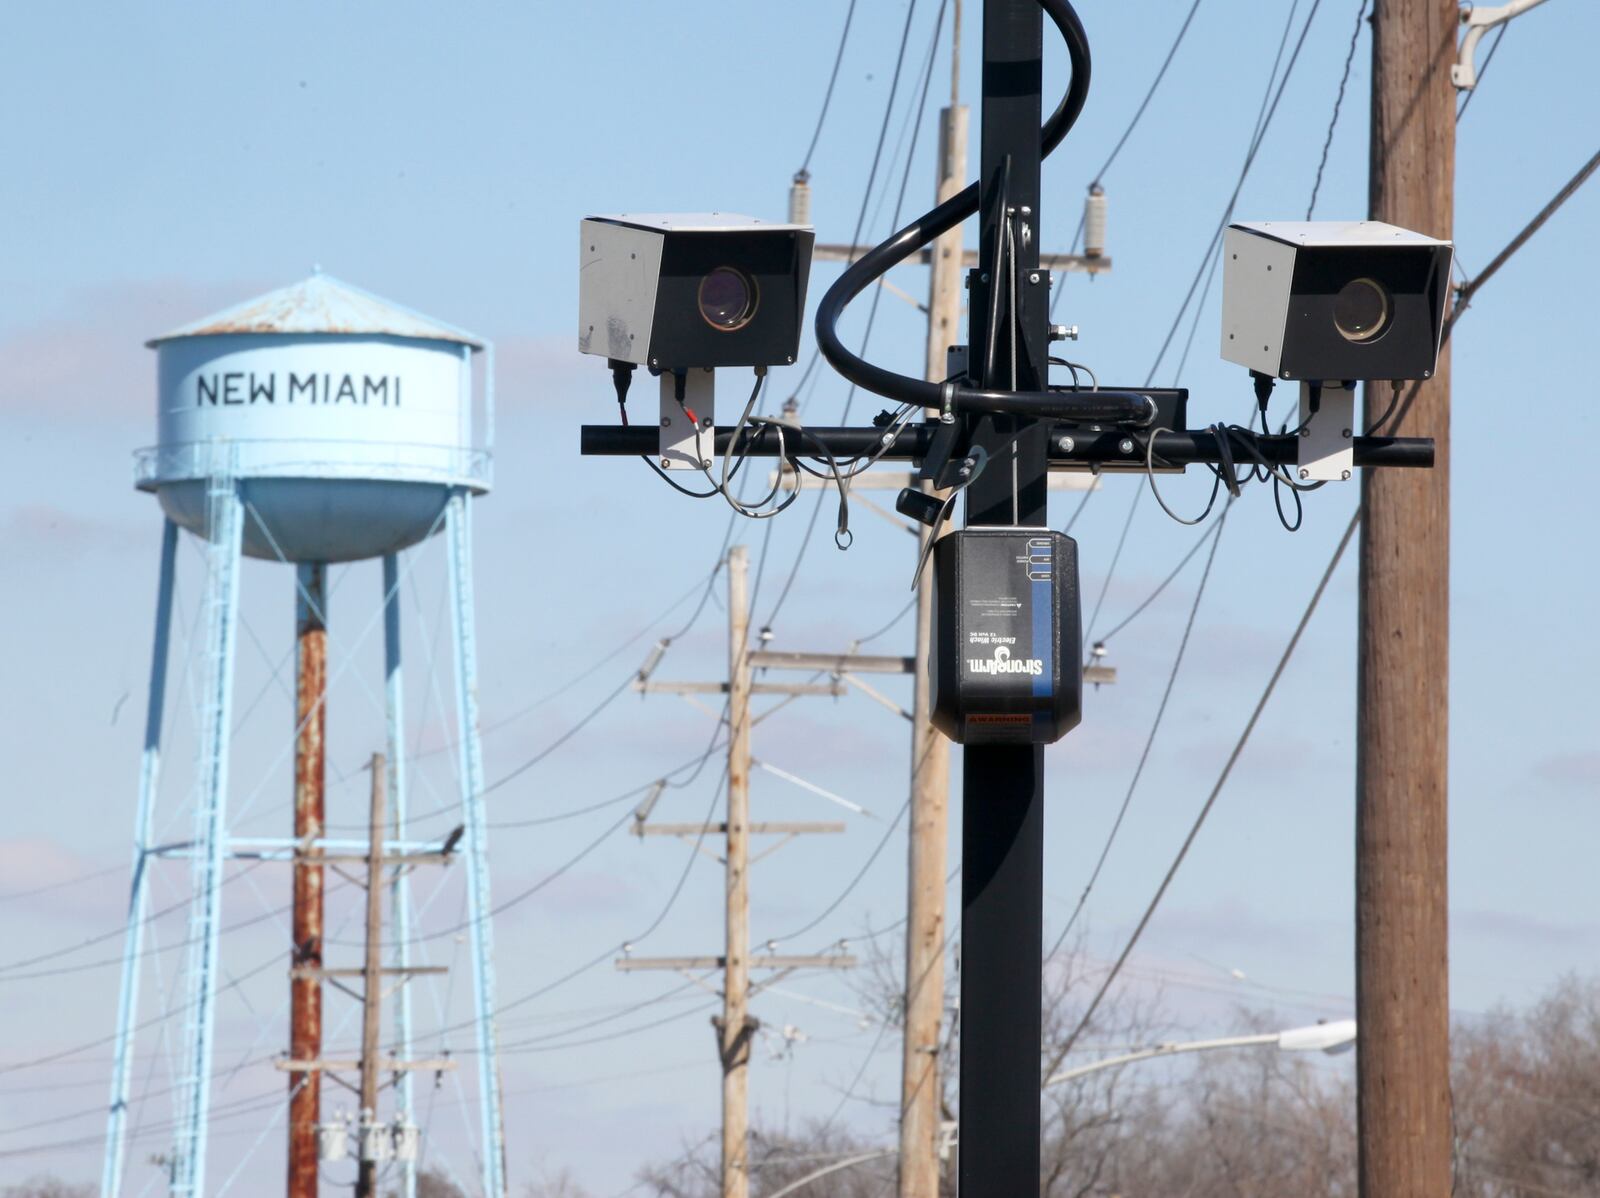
(1333, 300)
(675, 292)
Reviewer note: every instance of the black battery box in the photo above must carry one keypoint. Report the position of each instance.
(1007, 657)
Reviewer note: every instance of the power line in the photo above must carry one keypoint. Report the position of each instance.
(1138, 611)
(49, 886)
(1467, 292)
(1487, 59)
(16, 1066)
(1338, 102)
(1264, 117)
(855, 881)
(593, 714)
(611, 950)
(833, 77)
(1155, 729)
(1205, 809)
(122, 930)
(1470, 289)
(855, 239)
(1149, 95)
(1099, 175)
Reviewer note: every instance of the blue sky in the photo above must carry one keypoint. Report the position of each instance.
(166, 161)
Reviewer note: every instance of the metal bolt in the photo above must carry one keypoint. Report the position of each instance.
(886, 439)
(666, 422)
(1427, 374)
(1345, 476)
(1126, 445)
(947, 417)
(1034, 277)
(1347, 432)
(790, 359)
(665, 462)
(1063, 332)
(1305, 473)
(983, 278)
(655, 361)
(1305, 432)
(705, 422)
(1067, 444)
(705, 463)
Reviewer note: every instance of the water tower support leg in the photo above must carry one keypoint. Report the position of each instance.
(458, 529)
(400, 886)
(139, 890)
(224, 514)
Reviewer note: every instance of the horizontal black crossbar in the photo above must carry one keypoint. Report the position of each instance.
(1109, 448)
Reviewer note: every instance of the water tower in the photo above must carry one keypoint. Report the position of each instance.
(312, 425)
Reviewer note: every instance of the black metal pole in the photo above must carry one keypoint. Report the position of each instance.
(1002, 791)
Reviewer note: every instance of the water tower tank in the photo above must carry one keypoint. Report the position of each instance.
(345, 419)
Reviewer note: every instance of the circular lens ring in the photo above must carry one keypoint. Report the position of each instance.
(728, 298)
(1361, 310)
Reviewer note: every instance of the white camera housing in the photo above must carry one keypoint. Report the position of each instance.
(703, 289)
(1333, 300)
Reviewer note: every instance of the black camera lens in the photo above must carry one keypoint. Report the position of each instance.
(728, 298)
(1361, 310)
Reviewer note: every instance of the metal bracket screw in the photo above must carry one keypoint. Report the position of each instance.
(1066, 444)
(1125, 445)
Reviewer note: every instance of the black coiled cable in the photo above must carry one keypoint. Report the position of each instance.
(1117, 407)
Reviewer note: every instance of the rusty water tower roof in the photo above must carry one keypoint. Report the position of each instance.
(320, 304)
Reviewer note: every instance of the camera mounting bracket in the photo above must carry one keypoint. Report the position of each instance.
(688, 424)
(1327, 431)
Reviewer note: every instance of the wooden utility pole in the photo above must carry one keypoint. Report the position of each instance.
(372, 978)
(736, 1029)
(930, 751)
(305, 979)
(374, 1142)
(1402, 976)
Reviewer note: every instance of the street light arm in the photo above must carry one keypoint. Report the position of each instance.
(847, 1163)
(1320, 1037)
(1160, 1050)
(1479, 20)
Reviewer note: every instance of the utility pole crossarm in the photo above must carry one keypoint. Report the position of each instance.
(384, 1065)
(721, 688)
(779, 828)
(833, 663)
(763, 961)
(833, 252)
(307, 971)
